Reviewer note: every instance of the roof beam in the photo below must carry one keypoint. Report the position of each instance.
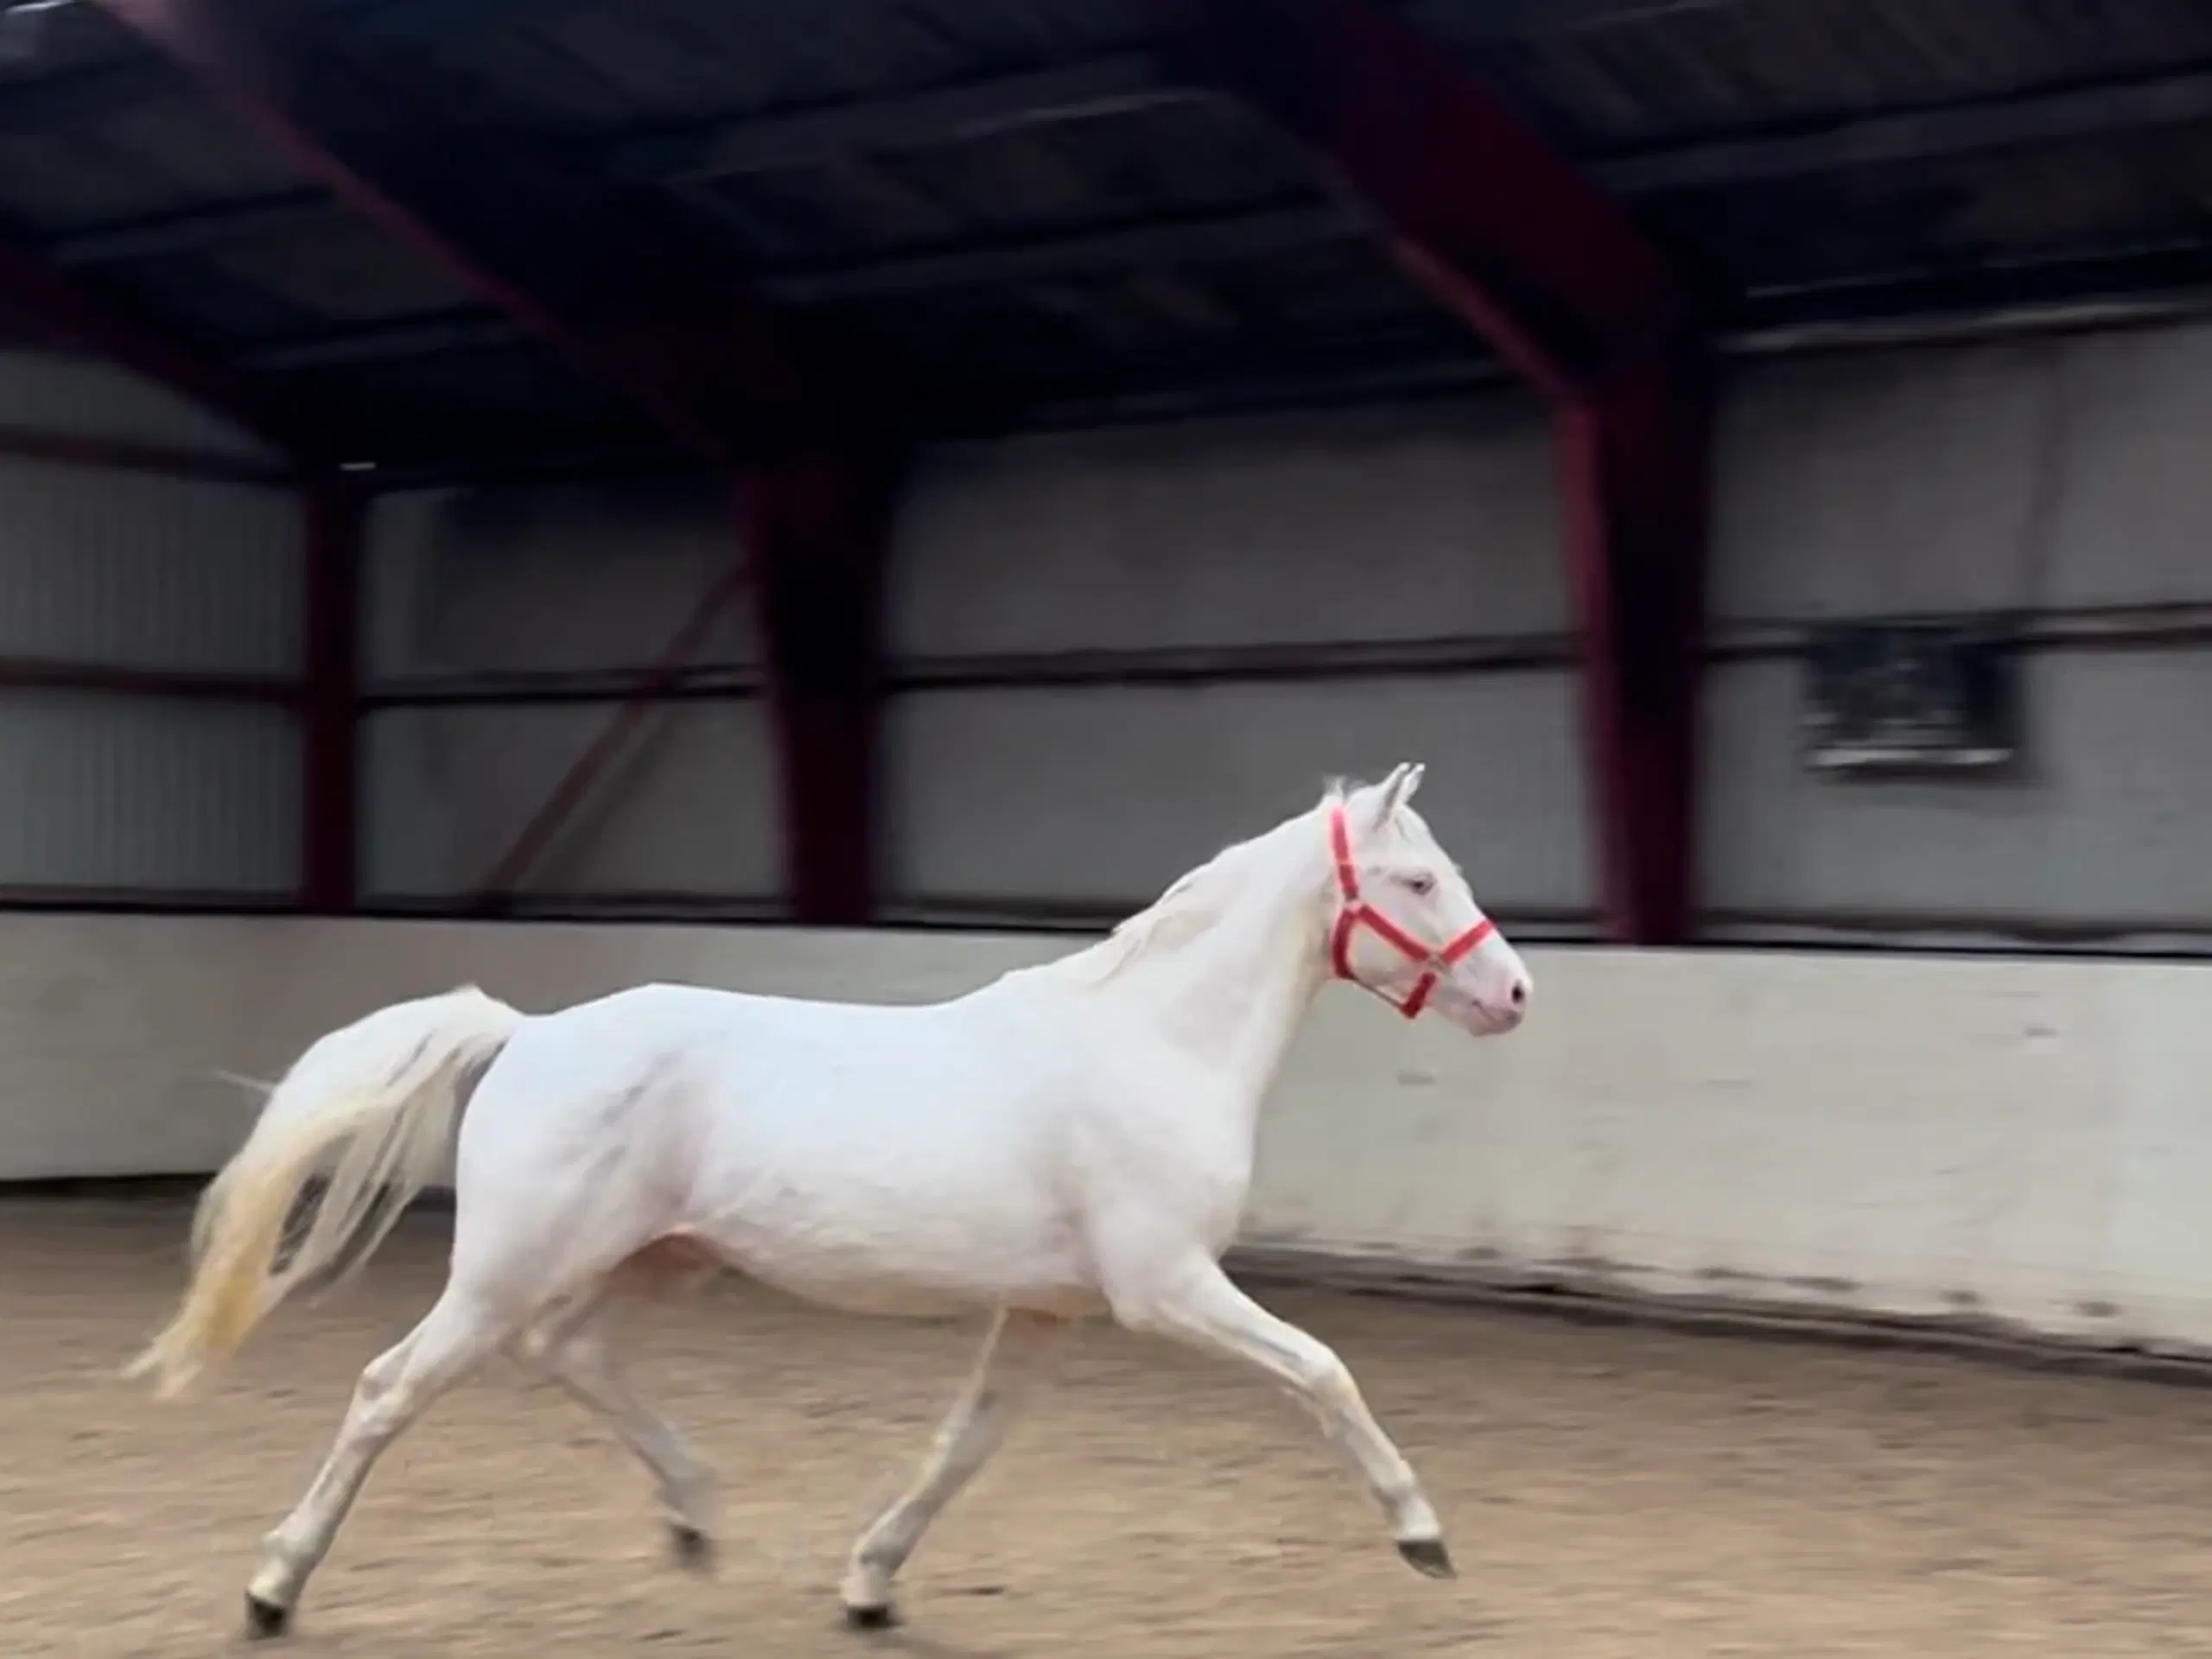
(110, 88)
(1488, 20)
(386, 342)
(1150, 246)
(82, 96)
(1813, 313)
(167, 234)
(700, 152)
(1949, 132)
(642, 297)
(1119, 82)
(1478, 209)
(76, 97)
(49, 297)
(2153, 281)
(1113, 84)
(1212, 240)
(433, 22)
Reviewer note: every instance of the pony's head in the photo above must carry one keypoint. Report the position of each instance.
(1406, 925)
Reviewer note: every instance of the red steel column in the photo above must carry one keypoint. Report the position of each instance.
(816, 530)
(1635, 461)
(336, 514)
(1559, 281)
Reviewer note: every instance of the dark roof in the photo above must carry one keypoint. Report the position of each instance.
(1003, 201)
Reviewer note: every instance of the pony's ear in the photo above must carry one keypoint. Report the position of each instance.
(1386, 797)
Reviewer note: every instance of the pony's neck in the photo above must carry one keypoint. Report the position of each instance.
(1233, 992)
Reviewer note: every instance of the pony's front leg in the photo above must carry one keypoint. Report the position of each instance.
(1008, 1368)
(1200, 1308)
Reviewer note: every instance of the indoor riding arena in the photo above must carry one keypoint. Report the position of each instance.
(845, 500)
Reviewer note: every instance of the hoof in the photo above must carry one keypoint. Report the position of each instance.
(1428, 1557)
(880, 1617)
(693, 1549)
(264, 1619)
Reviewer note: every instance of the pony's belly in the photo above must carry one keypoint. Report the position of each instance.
(905, 1296)
(872, 1298)
(902, 1227)
(917, 1275)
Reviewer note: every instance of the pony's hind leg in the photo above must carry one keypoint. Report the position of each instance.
(1009, 1366)
(396, 1387)
(578, 1354)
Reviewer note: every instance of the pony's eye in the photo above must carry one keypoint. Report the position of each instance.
(1421, 883)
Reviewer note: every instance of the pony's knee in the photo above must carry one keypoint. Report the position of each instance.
(1328, 1381)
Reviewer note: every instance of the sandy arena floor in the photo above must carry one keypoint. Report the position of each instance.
(1613, 1492)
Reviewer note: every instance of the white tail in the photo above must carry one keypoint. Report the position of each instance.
(390, 1086)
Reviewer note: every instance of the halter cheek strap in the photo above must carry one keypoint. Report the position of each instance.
(1354, 913)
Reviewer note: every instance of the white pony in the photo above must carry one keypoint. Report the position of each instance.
(1072, 1139)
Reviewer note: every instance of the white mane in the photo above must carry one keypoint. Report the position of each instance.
(1193, 902)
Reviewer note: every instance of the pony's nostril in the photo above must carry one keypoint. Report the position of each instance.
(1519, 996)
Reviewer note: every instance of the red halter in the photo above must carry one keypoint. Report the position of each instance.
(1355, 912)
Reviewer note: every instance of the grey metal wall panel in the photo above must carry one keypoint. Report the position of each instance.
(1379, 524)
(2051, 472)
(1372, 524)
(144, 796)
(2107, 826)
(50, 392)
(547, 578)
(1089, 796)
(691, 809)
(2027, 475)
(1892, 482)
(142, 571)
(554, 580)
(2039, 477)
(2132, 509)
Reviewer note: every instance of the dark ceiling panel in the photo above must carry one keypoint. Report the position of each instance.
(1002, 194)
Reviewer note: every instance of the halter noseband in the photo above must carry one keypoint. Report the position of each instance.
(1354, 912)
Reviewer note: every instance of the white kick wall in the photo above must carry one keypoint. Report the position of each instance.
(1100, 637)
(132, 796)
(2017, 1144)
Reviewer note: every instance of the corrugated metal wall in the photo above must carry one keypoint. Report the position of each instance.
(77, 396)
(132, 795)
(2060, 479)
(491, 614)
(1118, 649)
(146, 572)
(1423, 537)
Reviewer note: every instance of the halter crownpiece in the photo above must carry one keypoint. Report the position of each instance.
(1354, 912)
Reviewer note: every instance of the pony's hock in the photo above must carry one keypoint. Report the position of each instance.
(1070, 1141)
